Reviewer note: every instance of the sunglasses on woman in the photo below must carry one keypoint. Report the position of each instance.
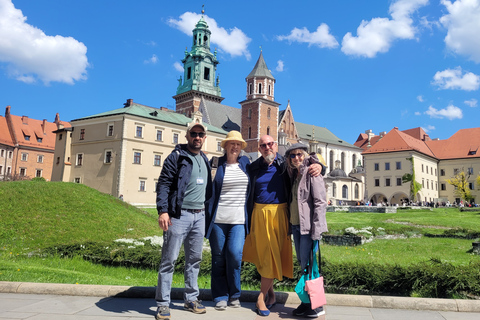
(294, 155)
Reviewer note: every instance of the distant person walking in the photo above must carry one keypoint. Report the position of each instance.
(183, 187)
(227, 221)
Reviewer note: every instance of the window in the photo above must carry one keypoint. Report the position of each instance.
(443, 187)
(206, 73)
(39, 139)
(456, 171)
(175, 138)
(423, 183)
(23, 172)
(1, 169)
(82, 134)
(137, 157)
(442, 172)
(108, 156)
(58, 160)
(250, 88)
(426, 167)
(334, 190)
(377, 166)
(377, 182)
(24, 156)
(269, 90)
(399, 181)
(9, 171)
(157, 160)
(387, 182)
(76, 180)
(79, 159)
(38, 173)
(431, 170)
(331, 161)
(40, 158)
(159, 135)
(260, 88)
(110, 130)
(219, 146)
(268, 130)
(268, 114)
(342, 159)
(10, 154)
(142, 185)
(398, 165)
(2, 153)
(354, 161)
(387, 165)
(60, 136)
(470, 171)
(27, 138)
(345, 192)
(422, 168)
(139, 132)
(428, 182)
(249, 132)
(471, 186)
(357, 191)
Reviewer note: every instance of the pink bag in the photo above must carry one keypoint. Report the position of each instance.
(316, 292)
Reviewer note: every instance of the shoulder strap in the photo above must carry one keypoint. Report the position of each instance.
(214, 165)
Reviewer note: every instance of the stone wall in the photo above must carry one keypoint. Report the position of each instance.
(361, 209)
(343, 240)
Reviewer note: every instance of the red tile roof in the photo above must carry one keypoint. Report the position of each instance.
(465, 143)
(5, 137)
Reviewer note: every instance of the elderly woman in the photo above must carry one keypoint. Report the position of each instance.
(307, 205)
(226, 224)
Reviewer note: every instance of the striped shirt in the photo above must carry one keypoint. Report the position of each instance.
(231, 205)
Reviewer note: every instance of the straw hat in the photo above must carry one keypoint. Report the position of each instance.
(234, 136)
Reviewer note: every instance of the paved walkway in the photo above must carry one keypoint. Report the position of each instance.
(81, 302)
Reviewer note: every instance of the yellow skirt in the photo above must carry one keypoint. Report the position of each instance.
(268, 245)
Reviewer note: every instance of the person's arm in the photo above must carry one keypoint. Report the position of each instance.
(319, 198)
(315, 167)
(165, 181)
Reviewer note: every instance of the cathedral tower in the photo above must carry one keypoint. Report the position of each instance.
(199, 66)
(259, 110)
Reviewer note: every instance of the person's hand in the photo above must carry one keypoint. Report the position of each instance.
(315, 169)
(164, 221)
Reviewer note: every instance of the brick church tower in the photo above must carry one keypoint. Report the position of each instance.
(199, 79)
(259, 110)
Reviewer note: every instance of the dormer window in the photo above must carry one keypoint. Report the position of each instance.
(27, 138)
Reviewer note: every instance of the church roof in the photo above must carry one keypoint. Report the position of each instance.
(465, 143)
(260, 70)
(143, 111)
(321, 134)
(220, 115)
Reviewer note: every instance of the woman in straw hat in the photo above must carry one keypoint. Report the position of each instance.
(227, 221)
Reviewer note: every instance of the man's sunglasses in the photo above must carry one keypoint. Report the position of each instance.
(264, 145)
(294, 155)
(197, 134)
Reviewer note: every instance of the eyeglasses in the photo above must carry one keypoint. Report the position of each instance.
(294, 155)
(269, 144)
(197, 134)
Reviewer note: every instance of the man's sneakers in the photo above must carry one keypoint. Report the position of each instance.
(221, 305)
(195, 306)
(234, 303)
(163, 313)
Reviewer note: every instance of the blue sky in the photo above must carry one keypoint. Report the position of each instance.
(347, 65)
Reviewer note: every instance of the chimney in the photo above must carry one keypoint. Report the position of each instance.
(24, 119)
(128, 103)
(396, 128)
(7, 111)
(57, 119)
(44, 126)
(370, 134)
(383, 133)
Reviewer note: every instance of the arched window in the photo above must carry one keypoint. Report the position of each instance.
(334, 190)
(249, 132)
(354, 161)
(268, 130)
(259, 88)
(345, 192)
(268, 113)
(357, 195)
(342, 159)
(269, 90)
(331, 161)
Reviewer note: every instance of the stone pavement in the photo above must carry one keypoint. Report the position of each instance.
(36, 301)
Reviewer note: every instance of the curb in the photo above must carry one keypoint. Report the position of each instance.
(345, 300)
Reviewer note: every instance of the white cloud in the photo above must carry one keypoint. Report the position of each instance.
(420, 98)
(321, 37)
(418, 113)
(153, 59)
(178, 66)
(453, 79)
(378, 34)
(462, 23)
(428, 128)
(279, 67)
(472, 103)
(30, 54)
(451, 112)
(233, 41)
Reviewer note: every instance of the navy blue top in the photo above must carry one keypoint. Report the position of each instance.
(269, 186)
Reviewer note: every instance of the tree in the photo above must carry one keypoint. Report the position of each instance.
(415, 186)
(460, 182)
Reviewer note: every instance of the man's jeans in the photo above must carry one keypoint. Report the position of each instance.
(189, 230)
(303, 246)
(226, 241)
